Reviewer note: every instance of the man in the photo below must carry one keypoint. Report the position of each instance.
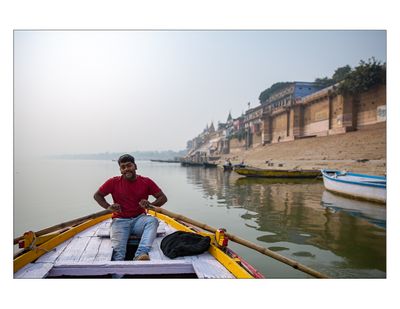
(130, 193)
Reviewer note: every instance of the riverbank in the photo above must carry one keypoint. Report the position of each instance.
(362, 151)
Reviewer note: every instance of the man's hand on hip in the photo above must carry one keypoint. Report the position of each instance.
(114, 208)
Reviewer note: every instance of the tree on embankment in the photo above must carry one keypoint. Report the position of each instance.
(351, 81)
(363, 77)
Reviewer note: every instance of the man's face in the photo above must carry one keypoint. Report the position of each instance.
(128, 170)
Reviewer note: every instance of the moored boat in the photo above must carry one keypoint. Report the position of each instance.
(277, 173)
(165, 161)
(362, 186)
(190, 163)
(210, 165)
(227, 167)
(84, 250)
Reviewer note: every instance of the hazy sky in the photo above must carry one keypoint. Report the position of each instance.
(97, 91)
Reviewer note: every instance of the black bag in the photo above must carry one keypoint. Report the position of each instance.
(182, 243)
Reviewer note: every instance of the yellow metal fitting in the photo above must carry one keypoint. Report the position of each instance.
(220, 237)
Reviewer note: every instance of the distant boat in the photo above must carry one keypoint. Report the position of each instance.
(369, 211)
(227, 167)
(165, 161)
(361, 186)
(275, 181)
(189, 163)
(277, 173)
(208, 164)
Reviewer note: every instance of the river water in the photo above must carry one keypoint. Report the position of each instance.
(298, 219)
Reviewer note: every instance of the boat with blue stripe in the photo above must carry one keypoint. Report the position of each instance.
(362, 186)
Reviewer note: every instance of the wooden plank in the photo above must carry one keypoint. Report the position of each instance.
(91, 231)
(74, 250)
(103, 232)
(52, 255)
(203, 256)
(91, 250)
(210, 269)
(34, 271)
(106, 223)
(122, 267)
(105, 251)
(32, 255)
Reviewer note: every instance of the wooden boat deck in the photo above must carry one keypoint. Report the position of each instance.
(89, 254)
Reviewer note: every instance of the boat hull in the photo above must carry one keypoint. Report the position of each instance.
(85, 250)
(270, 173)
(360, 186)
(210, 165)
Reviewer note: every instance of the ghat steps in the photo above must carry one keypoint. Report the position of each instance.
(363, 150)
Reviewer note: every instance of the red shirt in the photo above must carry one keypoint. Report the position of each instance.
(128, 194)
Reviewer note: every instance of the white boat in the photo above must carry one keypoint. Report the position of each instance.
(83, 250)
(367, 187)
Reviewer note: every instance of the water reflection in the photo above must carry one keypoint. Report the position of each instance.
(372, 212)
(299, 218)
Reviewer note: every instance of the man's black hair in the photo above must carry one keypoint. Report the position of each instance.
(126, 158)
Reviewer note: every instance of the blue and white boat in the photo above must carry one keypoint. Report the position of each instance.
(368, 187)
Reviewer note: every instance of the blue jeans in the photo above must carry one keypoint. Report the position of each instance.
(143, 226)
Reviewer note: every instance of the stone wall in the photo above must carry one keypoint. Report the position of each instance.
(368, 104)
(320, 114)
(326, 113)
(279, 127)
(316, 118)
(236, 146)
(336, 112)
(257, 139)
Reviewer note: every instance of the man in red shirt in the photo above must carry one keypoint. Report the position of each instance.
(130, 194)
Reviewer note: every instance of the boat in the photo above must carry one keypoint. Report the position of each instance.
(274, 181)
(362, 186)
(165, 161)
(277, 173)
(210, 165)
(190, 163)
(82, 249)
(227, 167)
(371, 212)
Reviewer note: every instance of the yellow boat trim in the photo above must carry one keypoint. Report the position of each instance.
(229, 263)
(33, 254)
(277, 173)
(29, 238)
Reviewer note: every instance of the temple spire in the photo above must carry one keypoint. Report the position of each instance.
(229, 117)
(211, 129)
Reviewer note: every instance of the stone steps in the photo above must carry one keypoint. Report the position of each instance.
(343, 150)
